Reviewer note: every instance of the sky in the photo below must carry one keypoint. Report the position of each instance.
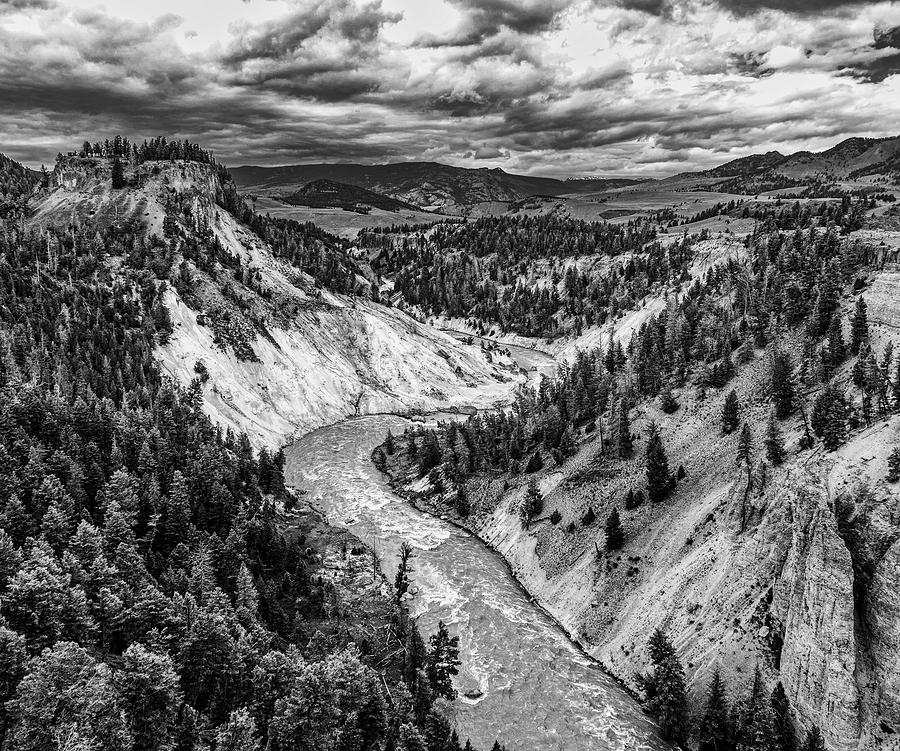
(552, 87)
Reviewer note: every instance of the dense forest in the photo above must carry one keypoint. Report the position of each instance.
(16, 182)
(520, 272)
(311, 249)
(790, 281)
(155, 590)
(548, 277)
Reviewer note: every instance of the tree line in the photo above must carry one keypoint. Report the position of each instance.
(157, 149)
(518, 272)
(756, 720)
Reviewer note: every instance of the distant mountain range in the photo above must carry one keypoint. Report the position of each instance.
(852, 158)
(330, 194)
(432, 185)
(429, 185)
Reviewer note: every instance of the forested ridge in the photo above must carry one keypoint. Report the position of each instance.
(16, 182)
(154, 591)
(787, 288)
(508, 270)
(189, 251)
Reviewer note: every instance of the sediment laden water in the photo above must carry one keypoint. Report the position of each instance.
(535, 689)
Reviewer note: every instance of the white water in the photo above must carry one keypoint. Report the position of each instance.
(539, 692)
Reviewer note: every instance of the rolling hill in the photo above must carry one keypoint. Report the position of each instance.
(323, 194)
(850, 158)
(430, 185)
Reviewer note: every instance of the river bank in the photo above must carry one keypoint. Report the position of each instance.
(423, 503)
(536, 689)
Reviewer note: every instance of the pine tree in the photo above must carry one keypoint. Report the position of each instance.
(177, 510)
(442, 662)
(756, 731)
(430, 455)
(896, 386)
(246, 596)
(535, 463)
(567, 445)
(615, 535)
(532, 503)
(829, 417)
(118, 174)
(784, 724)
(730, 410)
(775, 452)
(461, 502)
(239, 733)
(859, 328)
(659, 480)
(389, 443)
(814, 740)
(404, 568)
(436, 734)
(866, 373)
(745, 446)
(781, 384)
(894, 465)
(631, 500)
(835, 351)
(714, 729)
(622, 430)
(148, 684)
(668, 403)
(665, 691)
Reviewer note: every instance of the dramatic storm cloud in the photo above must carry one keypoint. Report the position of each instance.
(544, 86)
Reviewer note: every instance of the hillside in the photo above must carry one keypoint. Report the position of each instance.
(274, 314)
(430, 185)
(329, 194)
(787, 566)
(16, 183)
(856, 163)
(160, 587)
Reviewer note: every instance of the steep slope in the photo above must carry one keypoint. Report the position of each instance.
(792, 568)
(160, 587)
(278, 352)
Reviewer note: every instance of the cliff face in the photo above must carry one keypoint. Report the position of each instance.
(280, 354)
(884, 626)
(795, 569)
(813, 609)
(81, 187)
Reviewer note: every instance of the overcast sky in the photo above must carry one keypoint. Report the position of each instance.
(557, 87)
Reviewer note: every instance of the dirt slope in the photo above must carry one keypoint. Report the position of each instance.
(316, 357)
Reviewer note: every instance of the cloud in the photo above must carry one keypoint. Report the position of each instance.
(12, 6)
(488, 152)
(802, 7)
(562, 87)
(484, 19)
(653, 7)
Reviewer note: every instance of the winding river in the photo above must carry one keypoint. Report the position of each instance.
(522, 680)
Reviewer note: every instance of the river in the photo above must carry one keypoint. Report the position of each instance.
(538, 691)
